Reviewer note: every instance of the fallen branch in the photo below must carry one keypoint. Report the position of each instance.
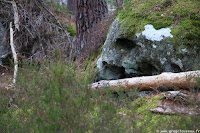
(177, 80)
(13, 53)
(16, 23)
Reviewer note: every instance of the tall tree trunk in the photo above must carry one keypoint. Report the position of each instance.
(89, 13)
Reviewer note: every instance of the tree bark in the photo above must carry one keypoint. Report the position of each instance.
(89, 13)
(176, 80)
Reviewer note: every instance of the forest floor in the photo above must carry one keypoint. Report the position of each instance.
(5, 78)
(56, 98)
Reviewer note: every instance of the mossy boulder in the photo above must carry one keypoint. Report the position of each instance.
(151, 37)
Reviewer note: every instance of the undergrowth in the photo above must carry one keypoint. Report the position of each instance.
(55, 98)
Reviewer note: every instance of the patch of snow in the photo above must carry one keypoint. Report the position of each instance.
(184, 50)
(138, 34)
(154, 46)
(155, 35)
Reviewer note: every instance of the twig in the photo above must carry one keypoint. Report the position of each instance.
(14, 54)
(11, 102)
(4, 66)
(68, 37)
(57, 21)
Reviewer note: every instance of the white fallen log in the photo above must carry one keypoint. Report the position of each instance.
(177, 80)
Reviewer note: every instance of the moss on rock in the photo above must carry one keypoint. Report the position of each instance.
(183, 16)
(151, 122)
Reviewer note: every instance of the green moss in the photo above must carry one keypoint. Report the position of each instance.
(186, 33)
(150, 122)
(135, 18)
(182, 15)
(130, 25)
(108, 31)
(146, 103)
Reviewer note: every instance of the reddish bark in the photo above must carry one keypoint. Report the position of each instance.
(89, 13)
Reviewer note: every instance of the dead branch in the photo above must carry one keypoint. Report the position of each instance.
(40, 33)
(177, 80)
(16, 14)
(14, 54)
(57, 22)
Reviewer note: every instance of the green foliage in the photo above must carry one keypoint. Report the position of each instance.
(149, 122)
(3, 110)
(55, 98)
(72, 30)
(62, 8)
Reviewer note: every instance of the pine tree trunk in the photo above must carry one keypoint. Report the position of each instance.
(89, 13)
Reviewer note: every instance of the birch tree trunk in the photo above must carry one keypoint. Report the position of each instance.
(176, 80)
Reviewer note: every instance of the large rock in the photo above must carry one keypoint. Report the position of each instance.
(149, 52)
(3, 45)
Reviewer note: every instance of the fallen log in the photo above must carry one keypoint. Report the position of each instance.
(145, 83)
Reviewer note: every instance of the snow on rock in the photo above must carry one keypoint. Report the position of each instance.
(155, 35)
